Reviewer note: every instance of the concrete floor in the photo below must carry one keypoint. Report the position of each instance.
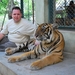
(67, 67)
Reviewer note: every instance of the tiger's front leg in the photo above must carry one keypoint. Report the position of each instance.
(47, 60)
(24, 56)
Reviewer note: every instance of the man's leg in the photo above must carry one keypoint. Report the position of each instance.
(4, 40)
(6, 43)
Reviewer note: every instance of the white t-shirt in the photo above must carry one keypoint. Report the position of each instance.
(19, 32)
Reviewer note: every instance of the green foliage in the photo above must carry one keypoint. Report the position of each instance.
(16, 3)
(56, 0)
(3, 5)
(27, 9)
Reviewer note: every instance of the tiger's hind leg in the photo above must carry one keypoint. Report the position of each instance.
(10, 50)
(47, 60)
(22, 48)
(27, 55)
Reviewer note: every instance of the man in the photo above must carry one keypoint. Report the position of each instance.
(17, 29)
(71, 10)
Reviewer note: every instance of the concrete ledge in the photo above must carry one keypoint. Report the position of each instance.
(4, 70)
(67, 67)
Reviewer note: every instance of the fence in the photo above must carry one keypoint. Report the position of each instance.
(65, 13)
(62, 18)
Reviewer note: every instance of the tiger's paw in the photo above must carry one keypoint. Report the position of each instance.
(13, 59)
(8, 51)
(36, 65)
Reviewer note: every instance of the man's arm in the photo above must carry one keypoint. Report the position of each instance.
(1, 36)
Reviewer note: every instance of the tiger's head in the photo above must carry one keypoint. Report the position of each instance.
(44, 32)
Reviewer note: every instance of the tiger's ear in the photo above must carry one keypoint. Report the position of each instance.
(55, 25)
(37, 24)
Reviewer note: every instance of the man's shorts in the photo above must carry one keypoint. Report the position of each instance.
(4, 43)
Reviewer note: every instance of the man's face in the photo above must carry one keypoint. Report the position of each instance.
(16, 15)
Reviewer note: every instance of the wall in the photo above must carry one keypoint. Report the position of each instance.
(69, 37)
(41, 11)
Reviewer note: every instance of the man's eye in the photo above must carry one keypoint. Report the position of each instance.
(18, 14)
(14, 14)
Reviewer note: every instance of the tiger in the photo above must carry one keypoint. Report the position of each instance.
(50, 49)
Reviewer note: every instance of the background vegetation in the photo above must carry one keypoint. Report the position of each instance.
(3, 4)
(27, 4)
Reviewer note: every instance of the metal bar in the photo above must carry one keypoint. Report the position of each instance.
(51, 11)
(21, 1)
(33, 10)
(28, 9)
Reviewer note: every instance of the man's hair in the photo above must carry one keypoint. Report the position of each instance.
(71, 3)
(16, 7)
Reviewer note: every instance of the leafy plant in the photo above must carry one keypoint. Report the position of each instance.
(3, 4)
(27, 9)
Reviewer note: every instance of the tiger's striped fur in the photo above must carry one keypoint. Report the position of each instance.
(51, 46)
